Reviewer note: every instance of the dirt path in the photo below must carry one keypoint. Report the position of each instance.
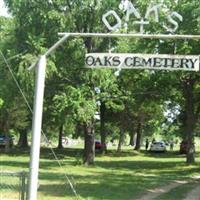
(153, 193)
(195, 193)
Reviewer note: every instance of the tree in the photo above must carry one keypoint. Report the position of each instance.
(188, 82)
(35, 30)
(13, 113)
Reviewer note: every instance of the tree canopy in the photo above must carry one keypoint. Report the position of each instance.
(134, 101)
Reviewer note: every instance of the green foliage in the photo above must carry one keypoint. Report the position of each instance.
(75, 101)
(14, 114)
(1, 102)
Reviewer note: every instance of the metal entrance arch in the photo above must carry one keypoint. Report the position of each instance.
(40, 65)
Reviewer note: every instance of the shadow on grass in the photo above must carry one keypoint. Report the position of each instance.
(55, 190)
(110, 185)
(45, 165)
(116, 180)
(44, 152)
(48, 159)
(107, 179)
(72, 152)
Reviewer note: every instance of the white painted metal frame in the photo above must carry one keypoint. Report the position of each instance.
(133, 35)
(39, 94)
(36, 127)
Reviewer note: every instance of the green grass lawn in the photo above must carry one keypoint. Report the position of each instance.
(114, 177)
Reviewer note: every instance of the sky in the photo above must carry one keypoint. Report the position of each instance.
(3, 10)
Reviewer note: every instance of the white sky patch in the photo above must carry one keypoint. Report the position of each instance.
(171, 113)
(3, 9)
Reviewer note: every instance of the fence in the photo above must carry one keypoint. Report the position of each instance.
(13, 185)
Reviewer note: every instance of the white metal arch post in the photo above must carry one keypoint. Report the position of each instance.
(39, 95)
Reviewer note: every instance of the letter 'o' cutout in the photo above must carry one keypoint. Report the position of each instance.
(105, 21)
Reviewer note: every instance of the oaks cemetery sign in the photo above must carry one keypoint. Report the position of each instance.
(142, 61)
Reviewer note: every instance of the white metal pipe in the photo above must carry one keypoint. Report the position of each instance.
(57, 44)
(50, 50)
(33, 65)
(133, 35)
(36, 127)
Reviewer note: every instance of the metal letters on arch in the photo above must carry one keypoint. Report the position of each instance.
(153, 11)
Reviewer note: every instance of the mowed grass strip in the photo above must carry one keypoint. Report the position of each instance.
(113, 177)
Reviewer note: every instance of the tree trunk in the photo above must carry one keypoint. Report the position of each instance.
(132, 134)
(89, 148)
(190, 120)
(6, 133)
(121, 141)
(7, 143)
(139, 135)
(102, 128)
(182, 119)
(60, 145)
(23, 139)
